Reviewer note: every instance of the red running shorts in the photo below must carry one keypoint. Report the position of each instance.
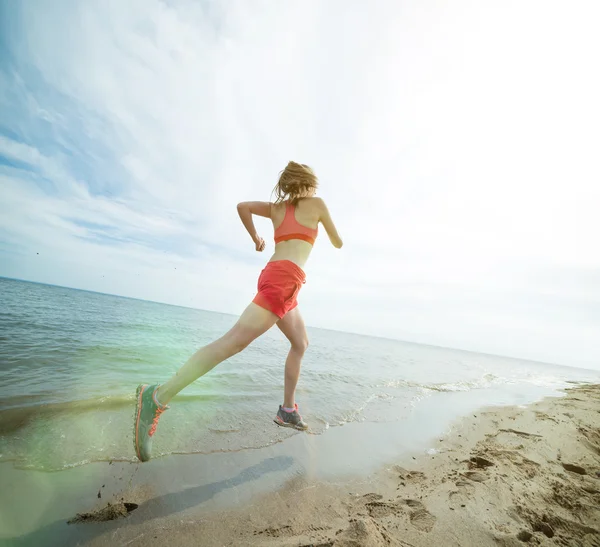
(278, 287)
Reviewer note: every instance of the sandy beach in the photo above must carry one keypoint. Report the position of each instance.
(503, 476)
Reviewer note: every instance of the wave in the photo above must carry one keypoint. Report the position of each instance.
(487, 380)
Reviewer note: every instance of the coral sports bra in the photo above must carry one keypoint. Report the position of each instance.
(290, 228)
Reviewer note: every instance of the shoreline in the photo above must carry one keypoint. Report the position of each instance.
(286, 495)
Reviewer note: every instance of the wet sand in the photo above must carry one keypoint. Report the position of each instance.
(503, 476)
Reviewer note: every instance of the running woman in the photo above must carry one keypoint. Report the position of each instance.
(296, 214)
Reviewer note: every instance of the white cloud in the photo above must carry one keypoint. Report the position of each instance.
(455, 144)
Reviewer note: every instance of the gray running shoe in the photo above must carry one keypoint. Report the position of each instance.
(147, 413)
(290, 419)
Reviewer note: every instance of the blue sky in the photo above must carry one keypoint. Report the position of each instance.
(456, 144)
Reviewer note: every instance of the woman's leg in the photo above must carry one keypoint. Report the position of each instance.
(253, 322)
(292, 325)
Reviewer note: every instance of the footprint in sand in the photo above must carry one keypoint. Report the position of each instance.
(420, 518)
(379, 509)
(476, 476)
(464, 492)
(526, 467)
(409, 476)
(543, 416)
(513, 438)
(551, 525)
(478, 462)
(371, 496)
(466, 479)
(275, 532)
(361, 532)
(287, 531)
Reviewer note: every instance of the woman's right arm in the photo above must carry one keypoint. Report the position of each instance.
(325, 219)
(248, 208)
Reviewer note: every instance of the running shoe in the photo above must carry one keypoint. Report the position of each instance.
(147, 413)
(290, 419)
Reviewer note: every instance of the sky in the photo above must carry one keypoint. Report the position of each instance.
(456, 144)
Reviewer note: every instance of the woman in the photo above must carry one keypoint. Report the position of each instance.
(296, 214)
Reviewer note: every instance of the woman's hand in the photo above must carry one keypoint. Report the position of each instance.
(248, 208)
(260, 244)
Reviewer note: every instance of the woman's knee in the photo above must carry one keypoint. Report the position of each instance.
(235, 342)
(300, 345)
(241, 342)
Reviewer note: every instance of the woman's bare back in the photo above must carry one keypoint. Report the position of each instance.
(308, 212)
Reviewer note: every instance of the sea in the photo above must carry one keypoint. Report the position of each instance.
(70, 361)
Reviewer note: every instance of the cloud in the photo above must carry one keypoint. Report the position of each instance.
(455, 144)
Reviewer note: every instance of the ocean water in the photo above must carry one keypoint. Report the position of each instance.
(70, 361)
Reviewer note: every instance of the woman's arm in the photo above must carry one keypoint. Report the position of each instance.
(325, 219)
(248, 208)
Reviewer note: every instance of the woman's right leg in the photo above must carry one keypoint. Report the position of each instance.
(254, 322)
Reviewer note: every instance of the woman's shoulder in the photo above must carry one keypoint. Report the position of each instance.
(312, 202)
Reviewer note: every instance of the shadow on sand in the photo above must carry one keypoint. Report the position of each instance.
(60, 533)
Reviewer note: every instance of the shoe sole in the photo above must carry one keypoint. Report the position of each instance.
(136, 419)
(292, 426)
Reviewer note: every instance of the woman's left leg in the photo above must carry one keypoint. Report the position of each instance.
(292, 326)
(254, 322)
(151, 401)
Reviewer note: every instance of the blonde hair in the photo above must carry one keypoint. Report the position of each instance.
(294, 182)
